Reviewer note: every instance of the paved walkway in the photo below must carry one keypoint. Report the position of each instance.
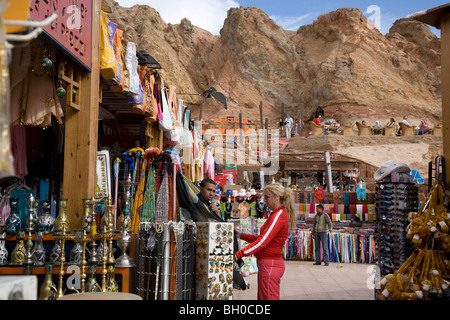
(304, 281)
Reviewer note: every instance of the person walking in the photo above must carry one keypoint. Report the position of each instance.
(288, 122)
(268, 245)
(322, 224)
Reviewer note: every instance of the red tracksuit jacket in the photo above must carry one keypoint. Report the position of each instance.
(270, 242)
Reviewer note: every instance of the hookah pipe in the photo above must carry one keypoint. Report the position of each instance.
(63, 237)
(84, 240)
(28, 261)
(107, 235)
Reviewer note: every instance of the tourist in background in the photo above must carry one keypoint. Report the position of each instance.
(288, 122)
(405, 120)
(322, 225)
(423, 126)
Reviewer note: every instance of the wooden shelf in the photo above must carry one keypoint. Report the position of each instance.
(127, 274)
(124, 272)
(47, 237)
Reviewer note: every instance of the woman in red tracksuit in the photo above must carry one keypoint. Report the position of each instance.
(268, 246)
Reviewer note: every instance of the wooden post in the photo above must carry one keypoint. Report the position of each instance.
(439, 18)
(299, 122)
(81, 133)
(266, 135)
(241, 140)
(445, 69)
(261, 114)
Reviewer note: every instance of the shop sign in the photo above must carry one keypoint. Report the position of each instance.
(72, 30)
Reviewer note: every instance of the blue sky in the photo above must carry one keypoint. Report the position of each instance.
(289, 14)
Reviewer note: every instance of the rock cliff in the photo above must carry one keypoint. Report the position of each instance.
(340, 61)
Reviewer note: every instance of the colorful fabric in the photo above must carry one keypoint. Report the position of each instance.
(148, 211)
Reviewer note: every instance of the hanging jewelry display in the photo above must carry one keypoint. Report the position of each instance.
(215, 260)
(47, 291)
(38, 253)
(63, 236)
(62, 220)
(3, 250)
(18, 254)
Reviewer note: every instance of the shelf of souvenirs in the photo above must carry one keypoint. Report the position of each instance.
(19, 270)
(48, 237)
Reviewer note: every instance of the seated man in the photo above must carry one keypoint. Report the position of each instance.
(207, 190)
(405, 120)
(318, 120)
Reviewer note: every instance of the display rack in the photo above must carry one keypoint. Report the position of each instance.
(124, 275)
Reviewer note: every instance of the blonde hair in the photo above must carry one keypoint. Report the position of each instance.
(287, 200)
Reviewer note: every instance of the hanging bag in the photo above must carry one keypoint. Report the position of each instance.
(165, 124)
(172, 137)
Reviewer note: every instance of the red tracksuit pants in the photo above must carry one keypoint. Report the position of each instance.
(270, 272)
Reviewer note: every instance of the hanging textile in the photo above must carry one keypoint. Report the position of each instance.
(148, 210)
(348, 248)
(108, 66)
(162, 199)
(139, 197)
(117, 79)
(361, 191)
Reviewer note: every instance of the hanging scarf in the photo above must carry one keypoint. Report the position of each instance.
(138, 199)
(162, 199)
(148, 211)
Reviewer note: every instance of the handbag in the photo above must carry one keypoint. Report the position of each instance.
(165, 124)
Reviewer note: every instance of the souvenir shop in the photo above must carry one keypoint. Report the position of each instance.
(412, 238)
(116, 215)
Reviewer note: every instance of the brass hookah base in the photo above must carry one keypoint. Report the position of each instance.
(63, 237)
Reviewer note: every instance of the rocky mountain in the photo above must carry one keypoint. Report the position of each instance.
(340, 61)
